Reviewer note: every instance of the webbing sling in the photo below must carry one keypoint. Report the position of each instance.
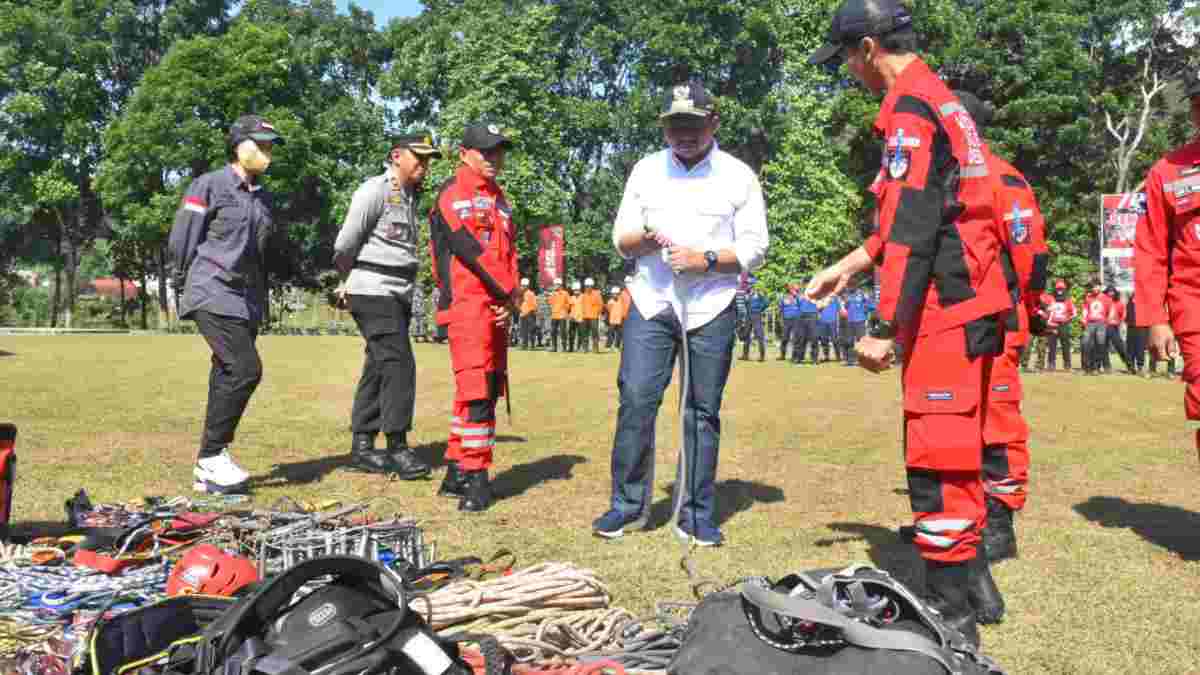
(952, 655)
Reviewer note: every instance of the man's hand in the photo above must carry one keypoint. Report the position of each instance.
(827, 282)
(638, 244)
(683, 259)
(874, 354)
(343, 298)
(1162, 341)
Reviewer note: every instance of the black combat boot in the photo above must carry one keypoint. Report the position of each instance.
(946, 591)
(478, 490)
(364, 456)
(984, 596)
(453, 484)
(999, 537)
(405, 462)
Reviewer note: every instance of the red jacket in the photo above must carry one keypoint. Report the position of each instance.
(931, 143)
(1116, 313)
(1166, 259)
(473, 246)
(1096, 307)
(1059, 312)
(1024, 230)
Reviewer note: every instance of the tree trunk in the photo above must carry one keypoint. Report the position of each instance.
(72, 270)
(145, 300)
(162, 288)
(121, 283)
(55, 297)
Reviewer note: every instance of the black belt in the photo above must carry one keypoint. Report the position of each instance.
(407, 272)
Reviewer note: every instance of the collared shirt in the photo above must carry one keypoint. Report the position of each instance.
(715, 205)
(380, 230)
(217, 245)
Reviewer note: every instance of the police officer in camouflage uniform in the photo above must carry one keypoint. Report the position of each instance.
(377, 248)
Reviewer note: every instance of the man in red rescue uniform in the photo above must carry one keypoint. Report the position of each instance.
(1096, 306)
(1005, 432)
(943, 295)
(474, 254)
(1167, 258)
(1061, 312)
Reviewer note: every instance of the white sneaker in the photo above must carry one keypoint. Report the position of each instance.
(219, 474)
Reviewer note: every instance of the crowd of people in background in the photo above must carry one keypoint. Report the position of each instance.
(578, 317)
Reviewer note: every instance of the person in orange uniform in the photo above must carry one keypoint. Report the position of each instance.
(1166, 259)
(528, 314)
(615, 309)
(560, 309)
(944, 307)
(473, 245)
(593, 306)
(575, 310)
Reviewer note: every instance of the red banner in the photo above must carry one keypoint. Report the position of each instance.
(550, 255)
(1119, 216)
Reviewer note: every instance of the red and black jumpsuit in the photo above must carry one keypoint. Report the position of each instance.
(942, 286)
(475, 266)
(1005, 432)
(1167, 261)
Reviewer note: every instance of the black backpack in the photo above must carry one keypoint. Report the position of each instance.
(855, 621)
(356, 623)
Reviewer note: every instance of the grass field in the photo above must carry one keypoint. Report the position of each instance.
(810, 476)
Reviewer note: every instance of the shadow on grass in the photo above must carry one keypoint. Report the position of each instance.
(1171, 527)
(885, 549)
(733, 497)
(4, 353)
(518, 478)
(313, 470)
(22, 531)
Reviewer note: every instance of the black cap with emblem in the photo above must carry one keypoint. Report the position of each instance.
(255, 128)
(688, 99)
(419, 142)
(485, 136)
(857, 19)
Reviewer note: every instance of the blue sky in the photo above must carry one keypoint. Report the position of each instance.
(385, 10)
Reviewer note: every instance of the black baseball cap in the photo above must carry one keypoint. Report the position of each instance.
(857, 19)
(485, 136)
(419, 142)
(253, 127)
(688, 99)
(981, 112)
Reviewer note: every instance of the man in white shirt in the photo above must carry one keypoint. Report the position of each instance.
(704, 207)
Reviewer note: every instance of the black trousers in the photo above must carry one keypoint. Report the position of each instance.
(805, 336)
(558, 329)
(235, 374)
(755, 334)
(1116, 344)
(573, 331)
(791, 329)
(387, 390)
(1136, 352)
(527, 324)
(614, 337)
(855, 330)
(1061, 335)
(589, 329)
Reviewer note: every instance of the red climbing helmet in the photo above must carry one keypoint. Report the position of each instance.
(207, 570)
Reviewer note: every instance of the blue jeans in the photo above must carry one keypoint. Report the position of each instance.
(647, 361)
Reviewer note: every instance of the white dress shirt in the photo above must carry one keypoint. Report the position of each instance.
(716, 205)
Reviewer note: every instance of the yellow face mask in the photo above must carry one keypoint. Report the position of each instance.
(253, 158)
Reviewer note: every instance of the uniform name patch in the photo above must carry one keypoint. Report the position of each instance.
(1001, 388)
(939, 396)
(461, 204)
(484, 202)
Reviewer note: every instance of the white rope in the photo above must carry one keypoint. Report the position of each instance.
(551, 610)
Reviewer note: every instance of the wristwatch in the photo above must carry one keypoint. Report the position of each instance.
(711, 257)
(883, 330)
